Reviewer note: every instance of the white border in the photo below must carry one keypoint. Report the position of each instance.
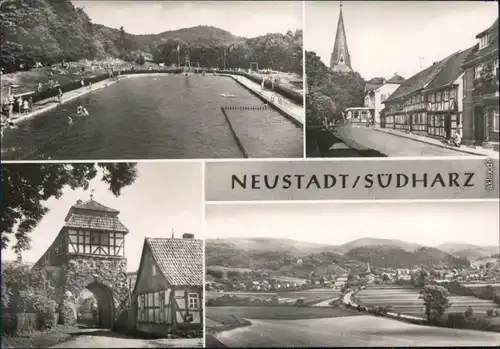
(304, 79)
(203, 238)
(253, 160)
(365, 201)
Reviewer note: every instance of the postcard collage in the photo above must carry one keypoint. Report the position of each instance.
(229, 174)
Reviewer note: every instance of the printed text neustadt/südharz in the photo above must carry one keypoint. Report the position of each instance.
(346, 181)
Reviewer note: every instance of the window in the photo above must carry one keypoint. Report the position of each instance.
(153, 272)
(452, 93)
(152, 307)
(477, 71)
(438, 96)
(483, 41)
(495, 67)
(99, 243)
(494, 115)
(193, 300)
(446, 95)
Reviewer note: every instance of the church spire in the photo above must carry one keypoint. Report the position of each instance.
(340, 59)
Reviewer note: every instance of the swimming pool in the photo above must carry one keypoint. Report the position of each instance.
(149, 117)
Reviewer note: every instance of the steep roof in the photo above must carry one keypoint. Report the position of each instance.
(493, 28)
(419, 80)
(371, 87)
(396, 79)
(95, 222)
(451, 70)
(488, 51)
(94, 206)
(180, 260)
(340, 46)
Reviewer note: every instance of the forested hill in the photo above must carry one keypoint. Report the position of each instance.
(49, 31)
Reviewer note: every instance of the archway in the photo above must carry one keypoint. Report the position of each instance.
(96, 306)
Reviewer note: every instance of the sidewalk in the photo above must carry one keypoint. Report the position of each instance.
(287, 106)
(463, 149)
(52, 103)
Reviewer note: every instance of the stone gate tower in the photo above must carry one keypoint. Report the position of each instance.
(88, 253)
(340, 60)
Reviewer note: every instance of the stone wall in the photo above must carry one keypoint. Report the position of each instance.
(108, 274)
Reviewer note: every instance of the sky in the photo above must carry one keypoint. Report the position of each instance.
(241, 18)
(428, 223)
(404, 37)
(165, 196)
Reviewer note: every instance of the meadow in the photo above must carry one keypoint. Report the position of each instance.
(310, 297)
(407, 301)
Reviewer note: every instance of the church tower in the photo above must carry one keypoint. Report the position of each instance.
(340, 60)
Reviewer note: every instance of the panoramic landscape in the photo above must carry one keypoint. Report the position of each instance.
(373, 92)
(82, 269)
(288, 284)
(89, 80)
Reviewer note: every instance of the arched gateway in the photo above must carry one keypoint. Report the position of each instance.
(88, 253)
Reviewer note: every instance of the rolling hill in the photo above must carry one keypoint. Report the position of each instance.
(57, 30)
(469, 251)
(301, 259)
(407, 246)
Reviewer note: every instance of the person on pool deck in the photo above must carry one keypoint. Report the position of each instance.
(60, 95)
(26, 106)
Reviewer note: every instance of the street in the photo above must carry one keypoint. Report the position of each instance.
(391, 145)
(98, 338)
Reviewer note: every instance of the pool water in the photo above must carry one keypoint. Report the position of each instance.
(149, 117)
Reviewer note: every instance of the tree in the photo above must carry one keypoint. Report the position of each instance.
(26, 187)
(385, 278)
(436, 302)
(419, 279)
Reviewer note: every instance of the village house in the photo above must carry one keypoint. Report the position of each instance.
(443, 96)
(253, 285)
(169, 285)
(377, 91)
(481, 120)
(427, 102)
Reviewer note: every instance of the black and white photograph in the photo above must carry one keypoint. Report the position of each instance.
(151, 79)
(104, 255)
(401, 79)
(365, 274)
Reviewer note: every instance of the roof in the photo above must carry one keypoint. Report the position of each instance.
(340, 45)
(95, 222)
(451, 71)
(488, 51)
(493, 28)
(418, 81)
(372, 87)
(396, 79)
(94, 206)
(179, 260)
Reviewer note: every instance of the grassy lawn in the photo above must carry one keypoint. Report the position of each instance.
(45, 339)
(231, 315)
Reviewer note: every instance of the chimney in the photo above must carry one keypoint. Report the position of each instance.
(78, 202)
(188, 236)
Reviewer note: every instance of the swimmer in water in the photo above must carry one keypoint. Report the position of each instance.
(85, 112)
(79, 110)
(70, 120)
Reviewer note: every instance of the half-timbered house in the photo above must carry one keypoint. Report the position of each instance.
(169, 286)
